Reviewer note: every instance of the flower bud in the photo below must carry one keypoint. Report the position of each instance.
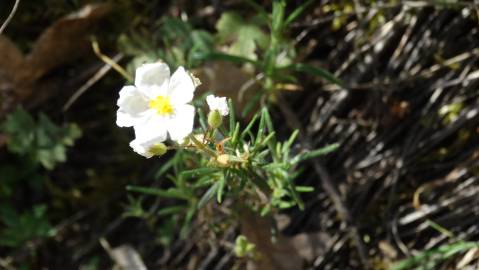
(215, 119)
(223, 159)
(158, 149)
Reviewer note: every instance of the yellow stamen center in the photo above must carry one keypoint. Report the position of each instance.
(162, 105)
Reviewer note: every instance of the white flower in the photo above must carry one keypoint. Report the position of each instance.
(156, 106)
(218, 103)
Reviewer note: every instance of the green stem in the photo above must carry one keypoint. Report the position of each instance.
(202, 146)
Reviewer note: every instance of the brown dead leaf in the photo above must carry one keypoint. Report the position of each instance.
(228, 80)
(12, 62)
(62, 43)
(12, 59)
(273, 256)
(286, 253)
(65, 41)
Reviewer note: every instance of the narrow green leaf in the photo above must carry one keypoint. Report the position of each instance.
(304, 189)
(249, 126)
(208, 195)
(234, 139)
(219, 193)
(170, 210)
(428, 259)
(266, 210)
(315, 71)
(198, 172)
(268, 138)
(262, 154)
(187, 224)
(295, 195)
(269, 122)
(251, 103)
(259, 134)
(232, 117)
(277, 16)
(260, 183)
(256, 7)
(165, 167)
(318, 152)
(287, 145)
(285, 205)
(170, 193)
(202, 118)
(228, 57)
(290, 141)
(298, 11)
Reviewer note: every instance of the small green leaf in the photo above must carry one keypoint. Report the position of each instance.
(265, 210)
(249, 126)
(198, 172)
(203, 119)
(429, 259)
(170, 210)
(234, 139)
(219, 193)
(219, 56)
(208, 195)
(277, 16)
(232, 117)
(165, 167)
(250, 105)
(187, 224)
(297, 12)
(170, 193)
(315, 153)
(243, 36)
(316, 71)
(304, 189)
(259, 135)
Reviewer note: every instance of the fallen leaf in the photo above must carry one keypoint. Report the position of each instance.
(286, 253)
(22, 78)
(64, 41)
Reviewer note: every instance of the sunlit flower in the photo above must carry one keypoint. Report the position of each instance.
(218, 109)
(156, 107)
(218, 104)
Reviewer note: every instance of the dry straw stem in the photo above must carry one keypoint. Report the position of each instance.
(10, 16)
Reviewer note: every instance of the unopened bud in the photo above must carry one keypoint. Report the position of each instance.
(215, 119)
(223, 159)
(158, 149)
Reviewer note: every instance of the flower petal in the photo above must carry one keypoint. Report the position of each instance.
(218, 103)
(152, 79)
(141, 148)
(181, 125)
(132, 105)
(149, 133)
(153, 129)
(181, 87)
(145, 148)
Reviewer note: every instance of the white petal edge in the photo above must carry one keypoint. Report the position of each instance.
(218, 103)
(181, 88)
(147, 135)
(153, 130)
(181, 125)
(132, 105)
(142, 148)
(152, 78)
